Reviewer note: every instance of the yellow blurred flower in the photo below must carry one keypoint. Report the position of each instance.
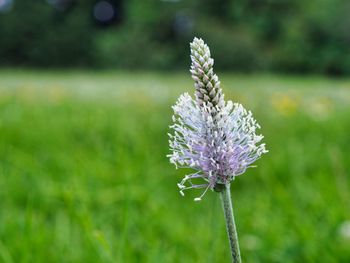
(56, 93)
(284, 104)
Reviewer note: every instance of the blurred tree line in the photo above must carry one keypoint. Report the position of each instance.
(245, 35)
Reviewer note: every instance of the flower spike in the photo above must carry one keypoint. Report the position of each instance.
(215, 138)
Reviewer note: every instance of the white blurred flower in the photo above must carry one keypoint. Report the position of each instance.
(344, 230)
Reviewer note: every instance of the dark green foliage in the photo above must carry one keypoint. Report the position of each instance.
(35, 34)
(284, 35)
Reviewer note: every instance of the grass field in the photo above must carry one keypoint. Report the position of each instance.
(84, 177)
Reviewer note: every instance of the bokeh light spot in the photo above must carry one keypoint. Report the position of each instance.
(6, 5)
(103, 11)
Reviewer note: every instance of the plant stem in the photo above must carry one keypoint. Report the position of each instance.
(230, 224)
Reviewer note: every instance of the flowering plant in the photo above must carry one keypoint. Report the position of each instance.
(215, 138)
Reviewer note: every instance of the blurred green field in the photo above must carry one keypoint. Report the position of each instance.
(84, 177)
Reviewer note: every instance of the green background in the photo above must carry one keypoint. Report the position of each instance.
(85, 109)
(84, 175)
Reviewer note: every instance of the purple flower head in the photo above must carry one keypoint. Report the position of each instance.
(214, 138)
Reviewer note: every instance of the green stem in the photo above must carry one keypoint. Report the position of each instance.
(230, 224)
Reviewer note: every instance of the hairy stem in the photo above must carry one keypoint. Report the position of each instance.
(230, 224)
